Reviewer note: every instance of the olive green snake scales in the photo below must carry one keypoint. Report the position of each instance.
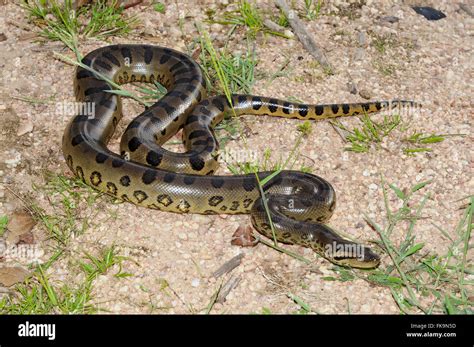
(148, 175)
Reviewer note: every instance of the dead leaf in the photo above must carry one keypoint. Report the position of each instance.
(243, 237)
(12, 275)
(26, 238)
(20, 222)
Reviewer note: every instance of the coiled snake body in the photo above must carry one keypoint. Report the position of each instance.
(148, 175)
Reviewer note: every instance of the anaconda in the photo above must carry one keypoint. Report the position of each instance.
(146, 174)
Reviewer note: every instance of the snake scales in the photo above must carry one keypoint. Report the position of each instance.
(148, 175)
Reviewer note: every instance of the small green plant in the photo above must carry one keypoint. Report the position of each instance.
(417, 142)
(62, 22)
(100, 265)
(371, 133)
(412, 274)
(38, 295)
(312, 9)
(159, 7)
(235, 70)
(248, 16)
(3, 224)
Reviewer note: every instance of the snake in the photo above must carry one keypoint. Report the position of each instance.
(289, 206)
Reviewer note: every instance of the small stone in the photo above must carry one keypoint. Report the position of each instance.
(373, 186)
(389, 19)
(25, 128)
(365, 94)
(195, 282)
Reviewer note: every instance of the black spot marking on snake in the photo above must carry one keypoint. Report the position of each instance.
(95, 90)
(125, 197)
(241, 99)
(234, 206)
(197, 163)
(140, 195)
(154, 158)
(80, 173)
(215, 200)
(76, 140)
(286, 235)
(117, 162)
(84, 74)
(210, 212)
(202, 143)
(110, 57)
(273, 105)
(126, 54)
(153, 206)
(149, 176)
(111, 188)
(366, 106)
(178, 94)
(192, 119)
(108, 103)
(319, 109)
(204, 102)
(345, 108)
(134, 124)
(168, 108)
(298, 225)
(182, 71)
(125, 181)
(378, 106)
(205, 111)
(183, 80)
(69, 162)
(184, 206)
(188, 180)
(103, 64)
(218, 103)
(303, 110)
(163, 132)
(321, 218)
(148, 55)
(223, 208)
(80, 119)
(197, 133)
(332, 207)
(286, 108)
(247, 202)
(134, 143)
(100, 158)
(164, 58)
(177, 66)
(164, 199)
(217, 182)
(256, 102)
(335, 108)
(169, 177)
(96, 178)
(249, 183)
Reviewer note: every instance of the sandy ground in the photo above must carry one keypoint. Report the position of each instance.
(432, 63)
